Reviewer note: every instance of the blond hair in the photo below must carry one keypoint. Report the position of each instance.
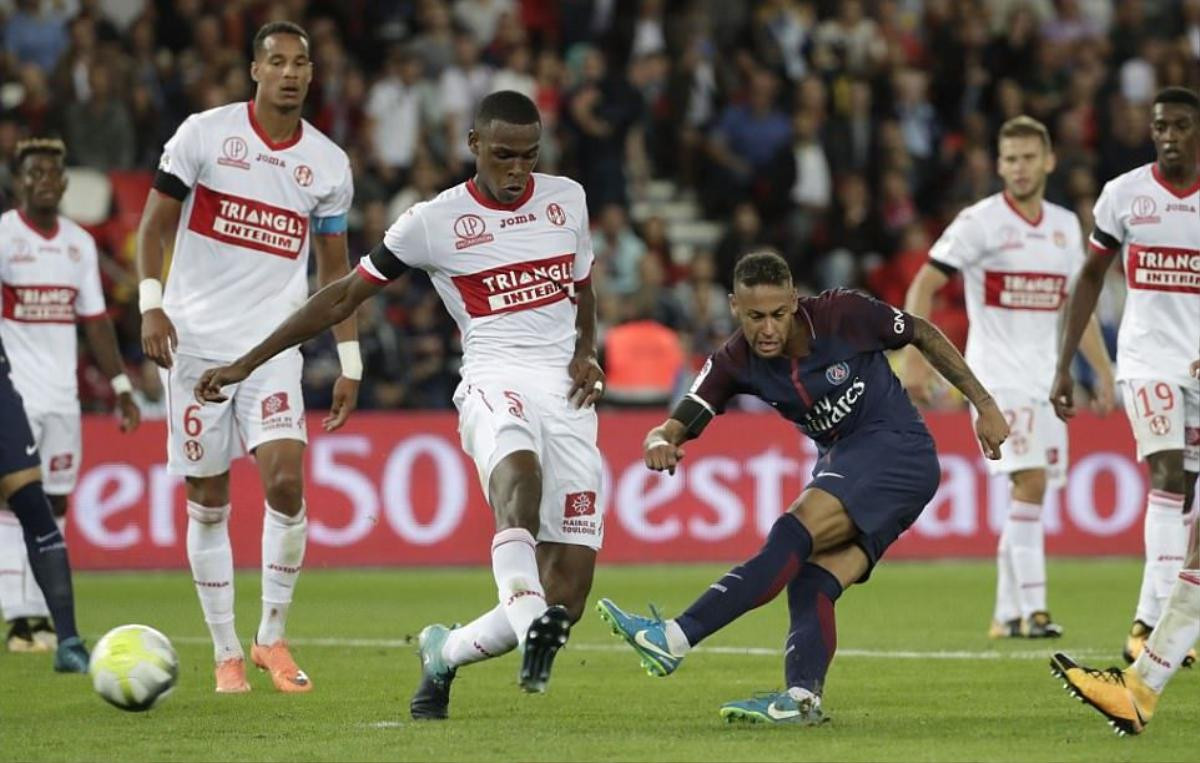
(29, 146)
(1025, 127)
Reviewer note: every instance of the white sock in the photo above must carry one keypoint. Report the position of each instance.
(1166, 543)
(487, 636)
(283, 542)
(514, 565)
(1027, 552)
(1175, 633)
(800, 694)
(20, 595)
(211, 558)
(1007, 606)
(677, 641)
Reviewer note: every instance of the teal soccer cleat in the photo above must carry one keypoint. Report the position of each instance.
(647, 636)
(776, 707)
(71, 656)
(432, 698)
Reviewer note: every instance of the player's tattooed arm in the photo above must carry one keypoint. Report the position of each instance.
(948, 361)
(990, 426)
(333, 304)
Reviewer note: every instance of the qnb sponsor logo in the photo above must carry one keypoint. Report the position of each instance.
(827, 413)
(517, 287)
(248, 223)
(1024, 291)
(1163, 268)
(39, 304)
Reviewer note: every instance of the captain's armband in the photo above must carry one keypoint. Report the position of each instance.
(694, 414)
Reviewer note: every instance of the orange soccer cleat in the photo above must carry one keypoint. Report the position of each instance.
(231, 676)
(277, 660)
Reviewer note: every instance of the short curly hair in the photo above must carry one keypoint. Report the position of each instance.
(762, 267)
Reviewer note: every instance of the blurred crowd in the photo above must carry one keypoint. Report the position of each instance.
(844, 133)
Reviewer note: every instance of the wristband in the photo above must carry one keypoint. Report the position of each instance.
(121, 384)
(149, 294)
(351, 360)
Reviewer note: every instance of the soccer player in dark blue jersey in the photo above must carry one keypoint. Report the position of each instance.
(820, 362)
(21, 488)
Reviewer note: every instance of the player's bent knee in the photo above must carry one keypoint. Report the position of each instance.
(209, 491)
(825, 518)
(1166, 471)
(848, 563)
(1029, 485)
(208, 515)
(11, 483)
(285, 494)
(515, 491)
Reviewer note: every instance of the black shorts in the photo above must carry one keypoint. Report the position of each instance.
(17, 448)
(885, 479)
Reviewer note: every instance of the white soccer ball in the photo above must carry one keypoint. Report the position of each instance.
(134, 667)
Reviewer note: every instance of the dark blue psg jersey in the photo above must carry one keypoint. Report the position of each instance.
(844, 385)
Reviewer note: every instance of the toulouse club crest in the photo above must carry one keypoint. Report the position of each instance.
(837, 373)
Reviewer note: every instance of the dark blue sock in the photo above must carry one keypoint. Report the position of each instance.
(812, 636)
(47, 555)
(751, 584)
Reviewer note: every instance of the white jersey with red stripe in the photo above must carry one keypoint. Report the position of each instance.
(241, 249)
(47, 281)
(1015, 273)
(1156, 229)
(507, 273)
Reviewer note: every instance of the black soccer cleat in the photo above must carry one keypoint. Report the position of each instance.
(547, 634)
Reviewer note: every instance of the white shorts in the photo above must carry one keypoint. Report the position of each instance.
(1037, 438)
(497, 417)
(60, 445)
(202, 440)
(1164, 416)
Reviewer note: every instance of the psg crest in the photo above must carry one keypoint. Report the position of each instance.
(837, 373)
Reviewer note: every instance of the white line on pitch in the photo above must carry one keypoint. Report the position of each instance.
(751, 651)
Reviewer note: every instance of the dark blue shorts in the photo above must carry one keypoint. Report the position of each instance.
(884, 479)
(17, 449)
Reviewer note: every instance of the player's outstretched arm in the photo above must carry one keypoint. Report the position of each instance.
(333, 304)
(916, 375)
(1080, 304)
(661, 447)
(990, 426)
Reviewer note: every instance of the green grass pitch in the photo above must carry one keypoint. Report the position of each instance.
(915, 677)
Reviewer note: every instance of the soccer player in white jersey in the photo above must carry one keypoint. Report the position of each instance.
(1016, 252)
(242, 190)
(49, 281)
(510, 255)
(1150, 216)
